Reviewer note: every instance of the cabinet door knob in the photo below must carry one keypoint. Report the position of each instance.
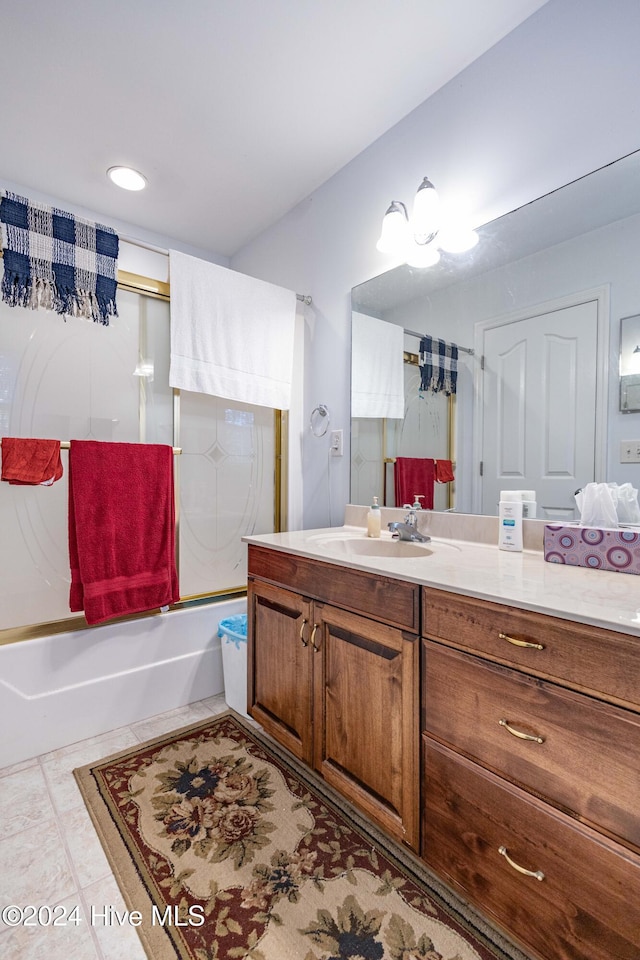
(538, 874)
(519, 733)
(520, 643)
(313, 638)
(303, 625)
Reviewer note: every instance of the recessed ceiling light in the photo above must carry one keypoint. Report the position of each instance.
(127, 178)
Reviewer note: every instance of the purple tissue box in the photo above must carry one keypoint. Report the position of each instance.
(617, 550)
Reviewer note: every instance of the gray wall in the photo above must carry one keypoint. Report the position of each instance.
(554, 100)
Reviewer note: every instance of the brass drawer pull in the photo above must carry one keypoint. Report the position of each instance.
(313, 638)
(520, 643)
(304, 642)
(519, 733)
(538, 874)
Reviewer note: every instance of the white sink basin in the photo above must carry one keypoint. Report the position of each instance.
(359, 545)
(371, 547)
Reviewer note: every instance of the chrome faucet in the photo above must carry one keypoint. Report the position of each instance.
(408, 530)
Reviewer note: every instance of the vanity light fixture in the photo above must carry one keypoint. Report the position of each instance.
(418, 241)
(425, 219)
(127, 178)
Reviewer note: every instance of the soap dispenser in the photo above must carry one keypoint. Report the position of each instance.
(373, 519)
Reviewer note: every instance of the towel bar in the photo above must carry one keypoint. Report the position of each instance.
(66, 444)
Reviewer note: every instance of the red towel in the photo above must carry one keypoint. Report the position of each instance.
(414, 476)
(444, 471)
(121, 528)
(31, 461)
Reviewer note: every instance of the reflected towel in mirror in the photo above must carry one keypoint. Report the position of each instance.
(444, 471)
(377, 368)
(414, 477)
(438, 366)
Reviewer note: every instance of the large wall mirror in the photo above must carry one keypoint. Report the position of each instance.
(536, 308)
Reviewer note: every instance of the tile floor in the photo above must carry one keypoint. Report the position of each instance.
(50, 853)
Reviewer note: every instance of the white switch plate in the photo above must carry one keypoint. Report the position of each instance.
(336, 443)
(630, 451)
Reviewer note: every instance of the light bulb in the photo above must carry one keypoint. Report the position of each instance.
(425, 219)
(394, 235)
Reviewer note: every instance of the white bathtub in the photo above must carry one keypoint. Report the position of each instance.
(59, 689)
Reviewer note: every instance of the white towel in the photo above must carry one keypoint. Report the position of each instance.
(231, 335)
(377, 368)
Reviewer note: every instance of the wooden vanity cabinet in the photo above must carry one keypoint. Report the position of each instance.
(531, 773)
(335, 687)
(279, 666)
(565, 892)
(528, 728)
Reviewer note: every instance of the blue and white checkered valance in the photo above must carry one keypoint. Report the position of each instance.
(57, 261)
(438, 363)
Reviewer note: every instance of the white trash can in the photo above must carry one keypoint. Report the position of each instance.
(233, 641)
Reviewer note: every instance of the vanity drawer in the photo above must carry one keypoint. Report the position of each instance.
(587, 903)
(583, 657)
(395, 602)
(495, 707)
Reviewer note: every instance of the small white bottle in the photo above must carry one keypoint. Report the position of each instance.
(510, 520)
(373, 519)
(529, 506)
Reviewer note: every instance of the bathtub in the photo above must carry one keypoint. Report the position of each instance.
(56, 690)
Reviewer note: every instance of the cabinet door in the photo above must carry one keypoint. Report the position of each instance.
(562, 889)
(365, 717)
(279, 666)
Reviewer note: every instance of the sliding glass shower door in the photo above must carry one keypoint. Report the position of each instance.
(70, 379)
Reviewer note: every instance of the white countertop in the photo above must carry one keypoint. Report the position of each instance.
(480, 569)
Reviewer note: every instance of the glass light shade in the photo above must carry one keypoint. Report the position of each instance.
(457, 239)
(425, 219)
(127, 178)
(394, 235)
(422, 255)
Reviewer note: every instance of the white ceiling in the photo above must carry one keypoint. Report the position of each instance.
(235, 110)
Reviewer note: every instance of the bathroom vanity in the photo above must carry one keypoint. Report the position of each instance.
(483, 708)
(336, 686)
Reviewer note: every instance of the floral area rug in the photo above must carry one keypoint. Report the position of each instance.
(227, 850)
